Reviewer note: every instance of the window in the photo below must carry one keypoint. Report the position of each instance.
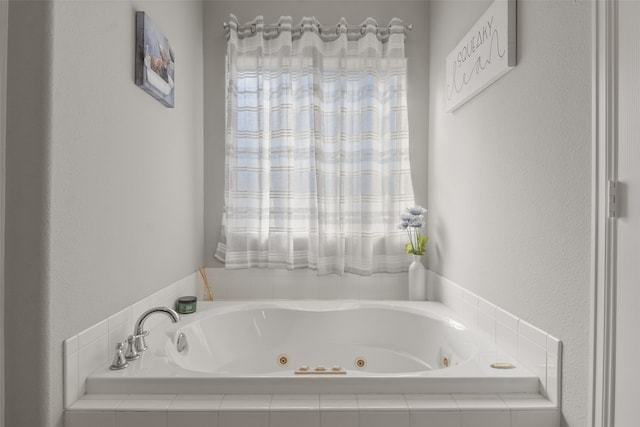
(317, 163)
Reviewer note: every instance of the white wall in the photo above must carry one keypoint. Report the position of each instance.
(105, 183)
(327, 12)
(510, 175)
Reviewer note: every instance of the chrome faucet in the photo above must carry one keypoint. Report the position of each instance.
(138, 331)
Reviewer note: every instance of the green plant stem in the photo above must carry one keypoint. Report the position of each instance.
(414, 239)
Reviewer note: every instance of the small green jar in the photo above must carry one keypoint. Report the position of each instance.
(186, 305)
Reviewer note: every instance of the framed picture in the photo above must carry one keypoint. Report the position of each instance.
(155, 62)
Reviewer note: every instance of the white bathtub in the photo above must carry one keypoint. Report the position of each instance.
(237, 347)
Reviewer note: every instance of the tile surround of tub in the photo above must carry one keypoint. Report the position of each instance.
(535, 349)
(253, 284)
(92, 348)
(406, 410)
(538, 351)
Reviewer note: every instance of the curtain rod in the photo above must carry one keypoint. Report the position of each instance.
(296, 28)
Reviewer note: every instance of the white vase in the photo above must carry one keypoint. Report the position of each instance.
(417, 280)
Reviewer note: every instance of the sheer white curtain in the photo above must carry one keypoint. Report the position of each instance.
(317, 150)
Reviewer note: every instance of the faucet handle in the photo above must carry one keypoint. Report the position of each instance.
(131, 353)
(140, 344)
(119, 361)
(140, 335)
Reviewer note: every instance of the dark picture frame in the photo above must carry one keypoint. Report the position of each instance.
(155, 61)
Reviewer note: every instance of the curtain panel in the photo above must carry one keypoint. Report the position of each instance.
(317, 148)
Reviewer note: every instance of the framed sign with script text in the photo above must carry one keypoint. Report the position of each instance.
(485, 53)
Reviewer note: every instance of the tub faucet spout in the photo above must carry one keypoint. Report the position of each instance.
(138, 331)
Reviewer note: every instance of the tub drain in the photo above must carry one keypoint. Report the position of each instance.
(283, 359)
(360, 362)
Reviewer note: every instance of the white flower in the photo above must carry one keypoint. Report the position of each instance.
(412, 222)
(417, 211)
